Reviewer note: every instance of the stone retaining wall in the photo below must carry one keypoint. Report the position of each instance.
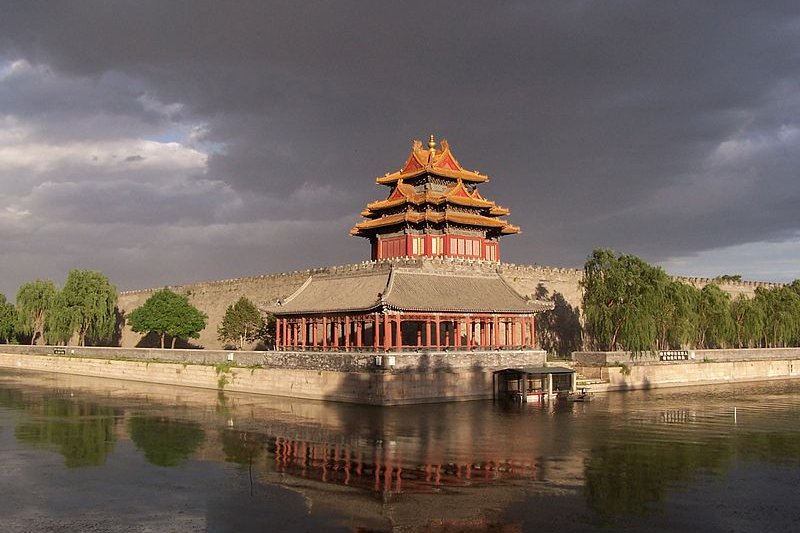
(333, 361)
(346, 377)
(647, 376)
(745, 354)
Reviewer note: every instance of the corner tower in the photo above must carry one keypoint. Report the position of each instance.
(434, 209)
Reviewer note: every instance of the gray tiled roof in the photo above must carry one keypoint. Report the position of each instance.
(412, 291)
(335, 294)
(405, 290)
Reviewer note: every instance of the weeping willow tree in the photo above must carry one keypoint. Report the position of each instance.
(622, 296)
(780, 307)
(748, 322)
(8, 319)
(715, 327)
(89, 300)
(34, 302)
(676, 315)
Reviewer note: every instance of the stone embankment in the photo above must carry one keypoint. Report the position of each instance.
(611, 371)
(369, 378)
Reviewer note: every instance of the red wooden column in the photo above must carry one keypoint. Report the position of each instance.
(376, 333)
(303, 333)
(347, 333)
(513, 331)
(314, 332)
(359, 332)
(387, 333)
(495, 332)
(457, 333)
(278, 334)
(399, 332)
(438, 335)
(419, 334)
(528, 332)
(469, 332)
(429, 332)
(324, 333)
(533, 332)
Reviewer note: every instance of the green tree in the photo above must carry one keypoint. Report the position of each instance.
(715, 327)
(620, 301)
(781, 311)
(795, 286)
(60, 323)
(88, 301)
(748, 321)
(675, 314)
(242, 323)
(729, 278)
(168, 313)
(8, 319)
(35, 299)
(267, 333)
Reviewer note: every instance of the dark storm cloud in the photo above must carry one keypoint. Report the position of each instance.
(658, 128)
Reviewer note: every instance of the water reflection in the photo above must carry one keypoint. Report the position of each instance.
(165, 442)
(458, 466)
(83, 432)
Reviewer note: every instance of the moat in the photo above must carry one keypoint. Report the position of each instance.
(84, 454)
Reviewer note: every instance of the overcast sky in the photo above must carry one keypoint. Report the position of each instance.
(166, 142)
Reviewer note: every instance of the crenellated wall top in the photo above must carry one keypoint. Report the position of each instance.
(436, 263)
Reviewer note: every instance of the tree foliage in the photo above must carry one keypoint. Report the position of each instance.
(242, 323)
(60, 324)
(715, 326)
(35, 300)
(780, 307)
(560, 330)
(621, 297)
(675, 314)
(168, 313)
(748, 322)
(8, 319)
(633, 306)
(86, 306)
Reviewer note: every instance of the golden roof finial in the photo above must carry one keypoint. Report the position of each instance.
(432, 143)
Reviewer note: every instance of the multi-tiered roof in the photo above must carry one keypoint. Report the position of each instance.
(434, 209)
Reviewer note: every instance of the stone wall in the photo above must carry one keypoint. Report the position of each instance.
(647, 376)
(328, 361)
(595, 359)
(466, 376)
(214, 297)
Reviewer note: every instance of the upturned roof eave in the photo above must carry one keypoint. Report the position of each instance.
(440, 172)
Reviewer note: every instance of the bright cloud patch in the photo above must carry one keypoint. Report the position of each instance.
(757, 261)
(113, 156)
